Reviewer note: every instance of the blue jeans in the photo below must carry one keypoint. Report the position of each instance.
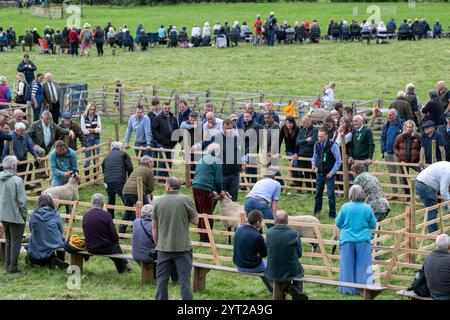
(144, 152)
(259, 269)
(37, 112)
(429, 199)
(91, 141)
(320, 184)
(271, 34)
(356, 265)
(256, 204)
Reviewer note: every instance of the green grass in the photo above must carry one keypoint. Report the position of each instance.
(359, 71)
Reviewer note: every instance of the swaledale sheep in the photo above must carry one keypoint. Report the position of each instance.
(68, 192)
(306, 232)
(229, 208)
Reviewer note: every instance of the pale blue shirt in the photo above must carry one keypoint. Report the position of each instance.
(267, 189)
(142, 128)
(47, 134)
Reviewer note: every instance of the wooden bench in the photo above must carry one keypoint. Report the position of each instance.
(369, 292)
(147, 269)
(411, 295)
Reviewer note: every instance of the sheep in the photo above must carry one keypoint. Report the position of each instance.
(229, 208)
(68, 192)
(306, 232)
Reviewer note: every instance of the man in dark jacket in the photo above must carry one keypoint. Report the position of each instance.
(306, 139)
(101, 235)
(391, 129)
(251, 143)
(426, 150)
(437, 269)
(249, 107)
(433, 109)
(284, 249)
(183, 111)
(28, 68)
(116, 168)
(67, 123)
(249, 247)
(445, 133)
(163, 126)
(52, 96)
(231, 159)
(403, 107)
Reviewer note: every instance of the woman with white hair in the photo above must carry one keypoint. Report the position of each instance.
(13, 201)
(412, 98)
(142, 242)
(5, 93)
(206, 35)
(208, 179)
(355, 220)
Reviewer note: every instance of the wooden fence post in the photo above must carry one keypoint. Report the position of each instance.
(345, 169)
(412, 222)
(232, 105)
(104, 90)
(433, 151)
(243, 218)
(208, 94)
(116, 132)
(175, 104)
(120, 106)
(140, 194)
(187, 158)
(261, 97)
(154, 91)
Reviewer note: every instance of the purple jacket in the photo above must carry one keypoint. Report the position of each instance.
(5, 93)
(99, 230)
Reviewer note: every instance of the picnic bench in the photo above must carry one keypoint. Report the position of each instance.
(369, 292)
(411, 295)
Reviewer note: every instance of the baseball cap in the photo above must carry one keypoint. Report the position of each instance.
(233, 116)
(67, 115)
(193, 114)
(428, 123)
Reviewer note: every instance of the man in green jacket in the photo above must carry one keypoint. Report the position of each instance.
(284, 249)
(362, 142)
(13, 213)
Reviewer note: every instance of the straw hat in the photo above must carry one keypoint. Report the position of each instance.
(87, 25)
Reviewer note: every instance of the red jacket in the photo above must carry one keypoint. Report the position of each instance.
(258, 23)
(73, 36)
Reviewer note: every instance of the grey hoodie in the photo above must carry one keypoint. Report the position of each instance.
(13, 199)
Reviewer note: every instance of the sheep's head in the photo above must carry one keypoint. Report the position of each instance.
(74, 178)
(225, 198)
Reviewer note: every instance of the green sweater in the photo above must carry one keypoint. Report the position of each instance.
(208, 174)
(362, 144)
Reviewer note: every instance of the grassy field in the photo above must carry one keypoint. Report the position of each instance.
(359, 71)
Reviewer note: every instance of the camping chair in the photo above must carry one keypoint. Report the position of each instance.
(221, 41)
(248, 37)
(382, 37)
(43, 44)
(290, 37)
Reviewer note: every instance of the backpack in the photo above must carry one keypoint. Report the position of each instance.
(86, 35)
(419, 285)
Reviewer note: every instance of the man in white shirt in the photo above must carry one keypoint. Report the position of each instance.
(196, 31)
(212, 126)
(434, 179)
(328, 95)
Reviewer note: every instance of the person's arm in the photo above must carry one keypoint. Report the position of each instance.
(314, 135)
(30, 147)
(383, 140)
(21, 199)
(274, 206)
(443, 186)
(148, 131)
(129, 129)
(218, 179)
(422, 157)
(261, 247)
(337, 156)
(21, 88)
(98, 129)
(33, 67)
(299, 247)
(83, 126)
(61, 131)
(314, 158)
(192, 212)
(370, 143)
(21, 67)
(128, 164)
(372, 220)
(155, 230)
(397, 145)
(340, 219)
(112, 230)
(442, 149)
(56, 172)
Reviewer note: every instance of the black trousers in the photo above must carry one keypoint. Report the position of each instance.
(307, 175)
(130, 201)
(55, 111)
(121, 264)
(112, 190)
(231, 185)
(99, 48)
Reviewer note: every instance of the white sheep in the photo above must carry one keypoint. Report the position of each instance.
(228, 208)
(68, 192)
(304, 231)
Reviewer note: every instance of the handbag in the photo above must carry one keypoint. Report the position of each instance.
(75, 244)
(419, 285)
(153, 252)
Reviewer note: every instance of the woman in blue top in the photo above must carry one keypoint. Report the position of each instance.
(355, 220)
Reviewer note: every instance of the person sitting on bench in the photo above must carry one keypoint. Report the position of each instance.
(249, 247)
(437, 269)
(101, 235)
(284, 249)
(47, 235)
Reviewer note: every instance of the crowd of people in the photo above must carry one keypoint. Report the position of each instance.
(230, 146)
(269, 31)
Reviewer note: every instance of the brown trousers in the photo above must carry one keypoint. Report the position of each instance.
(204, 203)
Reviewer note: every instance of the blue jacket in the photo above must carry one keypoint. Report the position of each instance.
(355, 220)
(47, 233)
(60, 164)
(142, 244)
(305, 148)
(29, 72)
(388, 137)
(20, 146)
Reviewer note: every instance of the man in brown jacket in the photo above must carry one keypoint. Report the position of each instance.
(130, 189)
(76, 129)
(403, 107)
